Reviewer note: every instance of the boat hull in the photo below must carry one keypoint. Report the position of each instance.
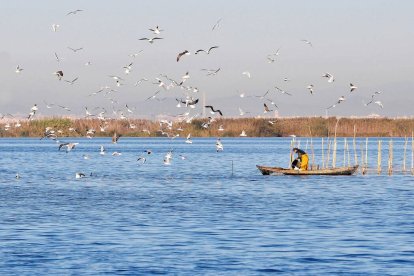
(329, 171)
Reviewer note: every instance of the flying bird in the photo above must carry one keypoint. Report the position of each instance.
(372, 97)
(217, 24)
(379, 103)
(310, 87)
(150, 40)
(73, 12)
(72, 81)
(329, 77)
(58, 74)
(55, 27)
(307, 42)
(247, 74)
(211, 72)
(219, 145)
(353, 87)
(156, 30)
(266, 108)
(282, 91)
(75, 49)
(206, 51)
(182, 54)
(69, 146)
(212, 110)
(18, 69)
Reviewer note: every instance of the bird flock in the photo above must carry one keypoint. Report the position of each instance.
(186, 95)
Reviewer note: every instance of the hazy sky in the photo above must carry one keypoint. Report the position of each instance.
(368, 43)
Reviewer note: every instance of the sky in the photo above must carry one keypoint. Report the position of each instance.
(368, 43)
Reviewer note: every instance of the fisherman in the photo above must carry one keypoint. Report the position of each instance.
(301, 162)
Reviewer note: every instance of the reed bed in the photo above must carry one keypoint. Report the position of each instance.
(254, 127)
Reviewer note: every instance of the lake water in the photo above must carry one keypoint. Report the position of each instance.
(212, 213)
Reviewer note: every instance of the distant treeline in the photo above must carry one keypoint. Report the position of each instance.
(253, 127)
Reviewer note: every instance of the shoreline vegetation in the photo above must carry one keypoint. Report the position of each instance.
(232, 127)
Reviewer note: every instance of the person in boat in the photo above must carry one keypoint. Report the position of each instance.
(301, 162)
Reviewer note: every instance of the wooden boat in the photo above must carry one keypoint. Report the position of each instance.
(328, 171)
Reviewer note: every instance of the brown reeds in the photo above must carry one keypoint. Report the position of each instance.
(255, 127)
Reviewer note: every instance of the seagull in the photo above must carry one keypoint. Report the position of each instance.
(341, 99)
(219, 145)
(32, 111)
(88, 114)
(307, 42)
(310, 87)
(266, 108)
(243, 134)
(102, 150)
(217, 24)
(59, 74)
(128, 68)
(140, 81)
(211, 72)
(221, 128)
(115, 153)
(73, 12)
(18, 69)
(282, 91)
(206, 51)
(379, 103)
(156, 30)
(372, 97)
(188, 140)
(75, 50)
(57, 57)
(242, 112)
(185, 52)
(72, 81)
(270, 57)
(329, 77)
(212, 110)
(153, 96)
(128, 109)
(247, 74)
(116, 77)
(88, 63)
(55, 27)
(69, 146)
(79, 175)
(353, 87)
(134, 55)
(150, 40)
(168, 157)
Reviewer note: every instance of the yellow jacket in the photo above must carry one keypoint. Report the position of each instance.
(304, 160)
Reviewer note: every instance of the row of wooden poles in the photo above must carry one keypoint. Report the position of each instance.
(363, 165)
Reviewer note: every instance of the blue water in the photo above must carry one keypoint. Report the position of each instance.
(210, 214)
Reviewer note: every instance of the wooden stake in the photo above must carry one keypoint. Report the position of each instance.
(323, 155)
(379, 157)
(355, 150)
(362, 159)
(404, 168)
(335, 146)
(345, 152)
(390, 157)
(366, 153)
